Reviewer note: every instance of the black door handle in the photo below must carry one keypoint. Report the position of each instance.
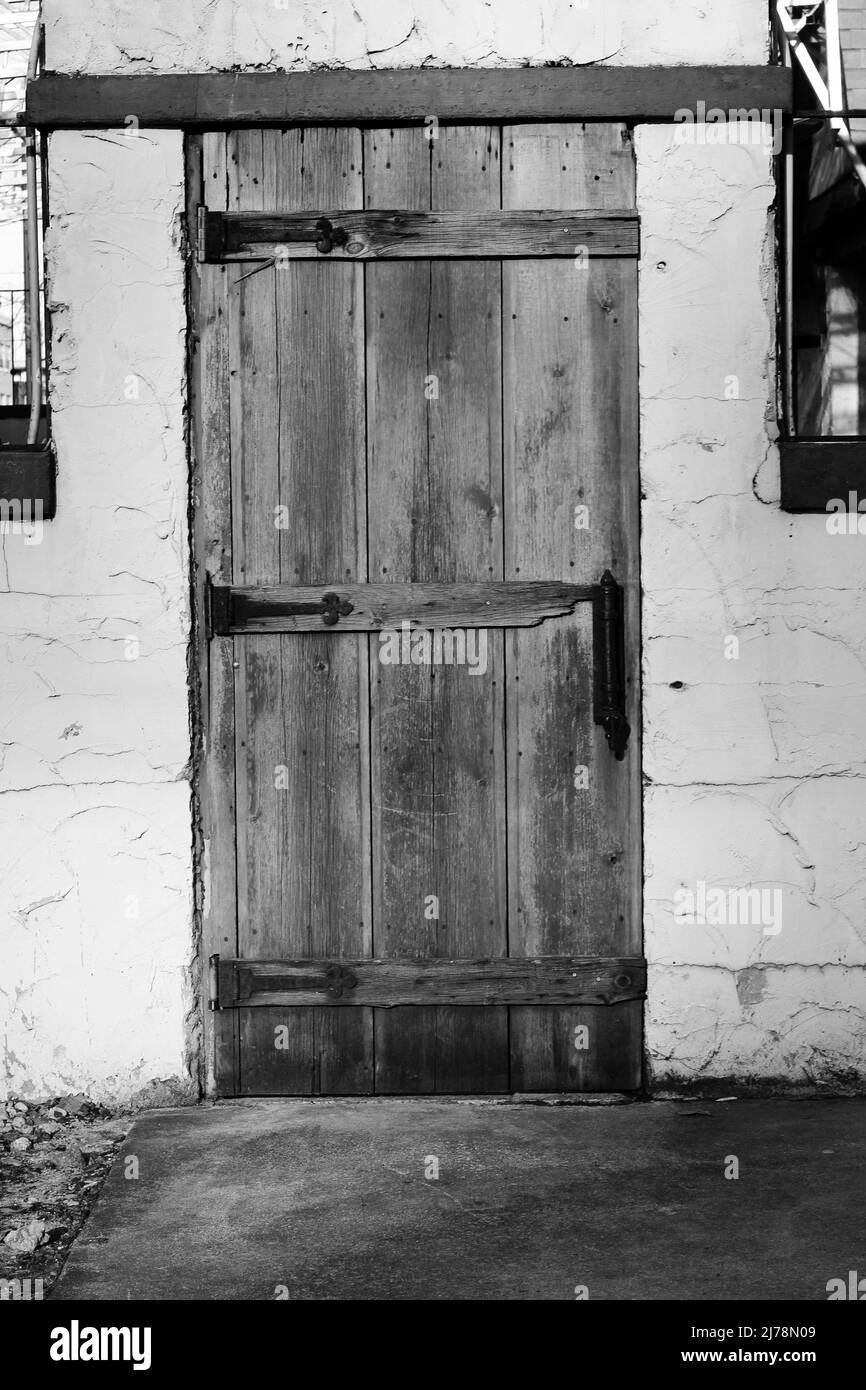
(608, 640)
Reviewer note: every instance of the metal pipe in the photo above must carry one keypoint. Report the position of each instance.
(788, 269)
(35, 334)
(834, 56)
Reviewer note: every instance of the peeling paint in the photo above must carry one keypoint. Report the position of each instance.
(751, 987)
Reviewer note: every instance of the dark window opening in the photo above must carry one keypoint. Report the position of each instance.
(824, 229)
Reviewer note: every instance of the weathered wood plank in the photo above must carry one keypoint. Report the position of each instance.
(212, 544)
(466, 465)
(397, 167)
(434, 428)
(57, 101)
(571, 465)
(400, 983)
(378, 607)
(403, 234)
(254, 391)
(303, 745)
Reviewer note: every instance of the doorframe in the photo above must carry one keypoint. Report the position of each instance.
(221, 1029)
(211, 694)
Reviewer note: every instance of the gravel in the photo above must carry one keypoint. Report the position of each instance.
(54, 1157)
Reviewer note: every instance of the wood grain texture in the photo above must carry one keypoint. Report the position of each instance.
(434, 459)
(403, 234)
(374, 607)
(397, 781)
(472, 95)
(303, 761)
(418, 983)
(570, 388)
(212, 549)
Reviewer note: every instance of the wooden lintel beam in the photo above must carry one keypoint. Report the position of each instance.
(225, 99)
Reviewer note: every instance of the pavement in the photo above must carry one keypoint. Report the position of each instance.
(467, 1199)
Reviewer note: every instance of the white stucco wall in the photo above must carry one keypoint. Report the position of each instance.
(754, 767)
(95, 837)
(101, 36)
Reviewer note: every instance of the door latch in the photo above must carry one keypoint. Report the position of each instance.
(329, 236)
(228, 610)
(332, 609)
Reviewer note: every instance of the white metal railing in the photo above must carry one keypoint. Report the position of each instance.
(793, 16)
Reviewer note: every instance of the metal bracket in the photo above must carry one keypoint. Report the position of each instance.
(221, 609)
(226, 610)
(211, 242)
(217, 609)
(209, 235)
(608, 641)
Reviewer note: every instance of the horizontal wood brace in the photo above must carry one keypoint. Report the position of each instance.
(376, 607)
(222, 100)
(394, 983)
(399, 234)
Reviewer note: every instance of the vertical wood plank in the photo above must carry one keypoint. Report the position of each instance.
(212, 558)
(262, 813)
(570, 387)
(435, 506)
(306, 745)
(255, 409)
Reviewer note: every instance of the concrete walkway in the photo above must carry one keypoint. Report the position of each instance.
(329, 1200)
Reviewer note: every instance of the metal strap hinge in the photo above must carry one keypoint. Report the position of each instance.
(238, 609)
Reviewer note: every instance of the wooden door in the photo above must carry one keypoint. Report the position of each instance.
(414, 386)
